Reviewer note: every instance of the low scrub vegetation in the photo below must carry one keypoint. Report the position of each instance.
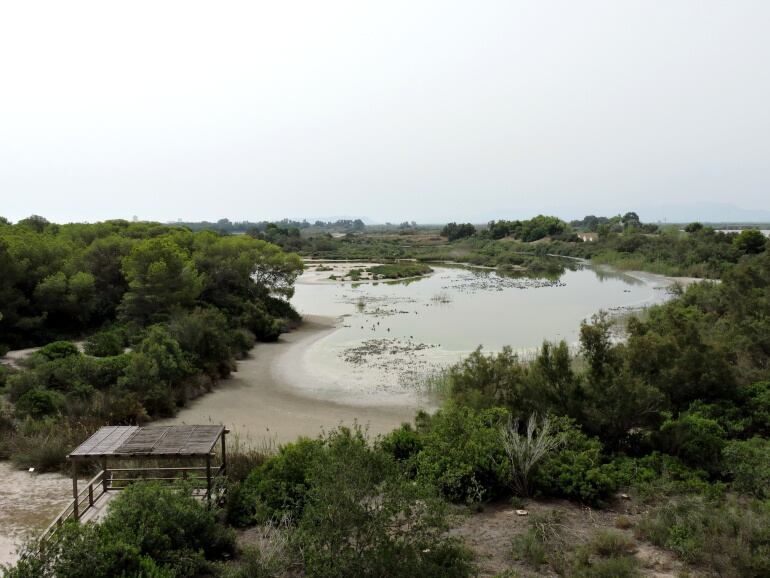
(347, 510)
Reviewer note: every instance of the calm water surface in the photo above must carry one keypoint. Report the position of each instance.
(390, 335)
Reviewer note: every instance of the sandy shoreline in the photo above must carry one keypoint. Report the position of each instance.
(261, 404)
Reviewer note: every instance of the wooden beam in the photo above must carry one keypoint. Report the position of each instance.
(105, 479)
(224, 452)
(75, 508)
(208, 479)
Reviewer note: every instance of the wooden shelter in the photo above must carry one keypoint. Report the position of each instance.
(137, 444)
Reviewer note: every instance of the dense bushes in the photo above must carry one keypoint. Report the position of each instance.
(168, 310)
(747, 463)
(105, 343)
(462, 455)
(279, 487)
(349, 511)
(363, 519)
(579, 470)
(461, 452)
(453, 231)
(169, 525)
(62, 280)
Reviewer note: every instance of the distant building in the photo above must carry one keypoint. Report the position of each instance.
(588, 237)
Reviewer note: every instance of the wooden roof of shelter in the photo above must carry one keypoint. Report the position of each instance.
(149, 441)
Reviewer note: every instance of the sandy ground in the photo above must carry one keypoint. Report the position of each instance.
(15, 357)
(261, 404)
(490, 534)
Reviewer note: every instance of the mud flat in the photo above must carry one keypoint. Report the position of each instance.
(264, 402)
(28, 503)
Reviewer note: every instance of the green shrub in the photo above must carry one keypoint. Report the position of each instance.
(58, 350)
(608, 554)
(608, 543)
(755, 400)
(21, 382)
(695, 439)
(403, 443)
(39, 403)
(168, 525)
(260, 322)
(658, 475)
(462, 454)
(748, 464)
(150, 531)
(105, 344)
(399, 270)
(577, 471)
(613, 567)
(278, 488)
(242, 341)
(85, 551)
(204, 335)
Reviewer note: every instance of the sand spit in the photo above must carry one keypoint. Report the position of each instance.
(263, 403)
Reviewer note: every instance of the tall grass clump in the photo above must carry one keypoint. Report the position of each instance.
(525, 451)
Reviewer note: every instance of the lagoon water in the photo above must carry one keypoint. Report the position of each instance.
(390, 335)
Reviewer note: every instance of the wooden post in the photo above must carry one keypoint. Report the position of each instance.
(224, 453)
(75, 509)
(208, 478)
(90, 495)
(105, 480)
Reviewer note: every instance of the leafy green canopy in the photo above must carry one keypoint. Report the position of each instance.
(62, 280)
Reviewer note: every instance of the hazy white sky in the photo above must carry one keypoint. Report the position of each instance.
(392, 110)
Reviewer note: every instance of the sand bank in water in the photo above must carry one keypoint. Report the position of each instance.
(261, 403)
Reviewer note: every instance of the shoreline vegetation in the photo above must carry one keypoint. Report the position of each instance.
(623, 241)
(165, 314)
(669, 428)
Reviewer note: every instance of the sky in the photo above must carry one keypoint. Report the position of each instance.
(391, 110)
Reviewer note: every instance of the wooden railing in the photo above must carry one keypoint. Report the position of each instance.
(75, 509)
